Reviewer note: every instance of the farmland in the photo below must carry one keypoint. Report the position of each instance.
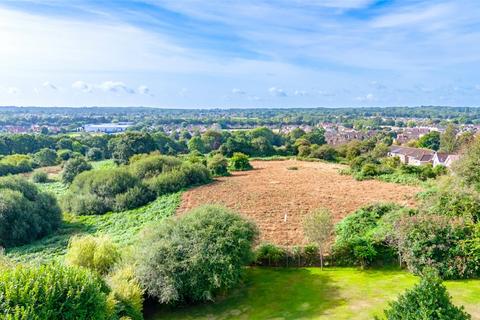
(278, 189)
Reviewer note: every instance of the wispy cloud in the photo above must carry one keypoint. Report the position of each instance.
(278, 92)
(82, 86)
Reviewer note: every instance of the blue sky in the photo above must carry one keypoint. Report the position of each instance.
(277, 53)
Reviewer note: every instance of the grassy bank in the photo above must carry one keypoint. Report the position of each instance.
(308, 293)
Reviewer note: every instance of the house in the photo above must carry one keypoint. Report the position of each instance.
(444, 159)
(417, 156)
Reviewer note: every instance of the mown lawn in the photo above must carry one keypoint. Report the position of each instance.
(121, 227)
(309, 293)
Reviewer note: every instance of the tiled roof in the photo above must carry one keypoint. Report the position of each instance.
(416, 153)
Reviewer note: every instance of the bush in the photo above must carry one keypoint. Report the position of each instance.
(127, 293)
(367, 235)
(52, 292)
(427, 300)
(239, 162)
(167, 182)
(324, 152)
(438, 242)
(99, 191)
(65, 154)
(26, 214)
(97, 254)
(269, 255)
(45, 157)
(94, 154)
(73, 168)
(196, 174)
(218, 165)
(150, 166)
(40, 177)
(195, 257)
(14, 164)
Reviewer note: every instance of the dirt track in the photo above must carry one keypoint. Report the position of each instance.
(270, 192)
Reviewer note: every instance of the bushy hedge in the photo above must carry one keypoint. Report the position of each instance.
(218, 165)
(239, 162)
(17, 163)
(429, 299)
(127, 293)
(99, 191)
(195, 257)
(271, 255)
(149, 166)
(448, 246)
(52, 292)
(40, 176)
(98, 254)
(367, 236)
(26, 214)
(177, 179)
(73, 168)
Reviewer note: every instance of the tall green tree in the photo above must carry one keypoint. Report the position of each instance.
(448, 140)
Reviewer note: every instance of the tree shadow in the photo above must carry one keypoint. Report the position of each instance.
(266, 293)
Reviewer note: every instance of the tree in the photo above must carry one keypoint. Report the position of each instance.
(218, 165)
(318, 228)
(467, 168)
(196, 256)
(430, 141)
(128, 144)
(428, 300)
(316, 136)
(448, 140)
(196, 144)
(94, 154)
(73, 168)
(45, 157)
(239, 162)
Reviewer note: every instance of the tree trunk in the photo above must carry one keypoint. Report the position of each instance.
(321, 259)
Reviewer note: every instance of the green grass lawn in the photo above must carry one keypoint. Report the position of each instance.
(308, 293)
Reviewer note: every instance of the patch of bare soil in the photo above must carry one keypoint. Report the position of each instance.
(277, 199)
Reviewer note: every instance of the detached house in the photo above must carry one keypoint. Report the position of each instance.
(417, 156)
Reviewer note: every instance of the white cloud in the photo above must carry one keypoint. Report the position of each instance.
(411, 17)
(115, 86)
(144, 90)
(82, 86)
(49, 85)
(238, 91)
(369, 97)
(301, 93)
(13, 90)
(278, 92)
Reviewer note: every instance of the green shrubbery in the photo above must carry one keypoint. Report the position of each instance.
(149, 166)
(25, 213)
(97, 254)
(239, 162)
(73, 168)
(195, 257)
(127, 293)
(52, 292)
(218, 165)
(428, 300)
(99, 191)
(17, 163)
(367, 236)
(40, 176)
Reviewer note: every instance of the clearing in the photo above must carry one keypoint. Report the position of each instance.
(308, 293)
(276, 195)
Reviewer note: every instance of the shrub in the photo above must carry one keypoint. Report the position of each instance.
(40, 177)
(45, 157)
(268, 254)
(150, 166)
(26, 214)
(94, 154)
(73, 168)
(196, 174)
(52, 292)
(364, 236)
(127, 293)
(239, 162)
(430, 241)
(195, 257)
(324, 152)
(94, 253)
(65, 154)
(218, 165)
(14, 164)
(167, 182)
(99, 191)
(427, 300)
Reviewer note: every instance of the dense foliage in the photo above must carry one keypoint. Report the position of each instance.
(195, 257)
(26, 213)
(239, 162)
(73, 168)
(52, 292)
(428, 300)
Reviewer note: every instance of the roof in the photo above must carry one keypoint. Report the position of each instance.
(417, 153)
(442, 156)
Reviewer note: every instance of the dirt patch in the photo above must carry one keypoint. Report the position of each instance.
(277, 198)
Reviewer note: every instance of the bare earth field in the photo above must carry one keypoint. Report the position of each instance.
(277, 198)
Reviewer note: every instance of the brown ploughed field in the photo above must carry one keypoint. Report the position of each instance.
(277, 198)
